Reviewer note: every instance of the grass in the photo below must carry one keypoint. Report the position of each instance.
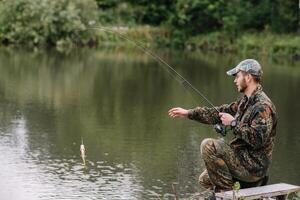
(263, 43)
(146, 36)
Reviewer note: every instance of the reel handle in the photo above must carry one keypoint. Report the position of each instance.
(220, 128)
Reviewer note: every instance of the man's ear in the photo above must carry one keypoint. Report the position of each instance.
(248, 78)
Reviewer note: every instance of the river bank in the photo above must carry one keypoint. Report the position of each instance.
(262, 44)
(262, 28)
(283, 46)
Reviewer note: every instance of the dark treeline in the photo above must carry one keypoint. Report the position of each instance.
(62, 22)
(198, 16)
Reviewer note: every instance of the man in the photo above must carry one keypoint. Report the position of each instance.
(252, 120)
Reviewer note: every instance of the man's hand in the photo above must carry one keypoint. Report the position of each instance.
(226, 118)
(178, 112)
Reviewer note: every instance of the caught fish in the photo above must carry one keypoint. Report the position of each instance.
(82, 151)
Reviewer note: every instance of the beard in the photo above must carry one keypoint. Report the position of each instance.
(242, 86)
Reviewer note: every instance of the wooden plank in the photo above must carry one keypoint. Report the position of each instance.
(260, 192)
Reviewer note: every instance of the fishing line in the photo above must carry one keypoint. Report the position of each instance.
(82, 149)
(138, 44)
(183, 81)
(219, 128)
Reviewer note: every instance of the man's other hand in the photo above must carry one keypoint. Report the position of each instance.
(226, 118)
(178, 112)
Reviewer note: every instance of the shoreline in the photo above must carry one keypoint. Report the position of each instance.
(278, 46)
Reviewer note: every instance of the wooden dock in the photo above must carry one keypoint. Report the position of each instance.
(263, 192)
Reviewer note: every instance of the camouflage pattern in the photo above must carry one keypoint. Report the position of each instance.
(222, 166)
(250, 151)
(250, 66)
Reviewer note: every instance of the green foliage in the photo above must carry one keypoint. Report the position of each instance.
(40, 22)
(297, 195)
(254, 14)
(108, 4)
(264, 43)
(285, 16)
(154, 12)
(63, 22)
(272, 44)
(116, 12)
(130, 12)
(215, 41)
(193, 16)
(147, 36)
(196, 16)
(236, 186)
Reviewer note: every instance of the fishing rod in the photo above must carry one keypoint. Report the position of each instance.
(220, 128)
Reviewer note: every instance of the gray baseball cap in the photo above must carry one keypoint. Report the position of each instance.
(250, 66)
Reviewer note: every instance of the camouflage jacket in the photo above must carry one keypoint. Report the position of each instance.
(255, 131)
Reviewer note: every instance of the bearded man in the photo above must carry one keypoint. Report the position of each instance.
(252, 119)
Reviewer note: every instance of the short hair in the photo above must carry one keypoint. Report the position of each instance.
(256, 78)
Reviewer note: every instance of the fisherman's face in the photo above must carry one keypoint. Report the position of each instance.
(240, 81)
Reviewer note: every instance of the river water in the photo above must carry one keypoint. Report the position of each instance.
(117, 100)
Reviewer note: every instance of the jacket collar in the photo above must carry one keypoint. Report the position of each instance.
(252, 98)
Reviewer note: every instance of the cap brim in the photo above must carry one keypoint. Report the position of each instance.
(232, 72)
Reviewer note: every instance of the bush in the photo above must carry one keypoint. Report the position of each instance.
(131, 12)
(118, 14)
(193, 16)
(46, 22)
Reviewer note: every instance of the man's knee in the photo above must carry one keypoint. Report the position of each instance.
(204, 180)
(207, 146)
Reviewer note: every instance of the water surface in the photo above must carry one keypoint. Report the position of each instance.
(117, 101)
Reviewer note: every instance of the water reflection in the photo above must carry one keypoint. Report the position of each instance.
(117, 101)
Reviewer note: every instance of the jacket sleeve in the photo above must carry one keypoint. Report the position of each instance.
(257, 131)
(210, 115)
